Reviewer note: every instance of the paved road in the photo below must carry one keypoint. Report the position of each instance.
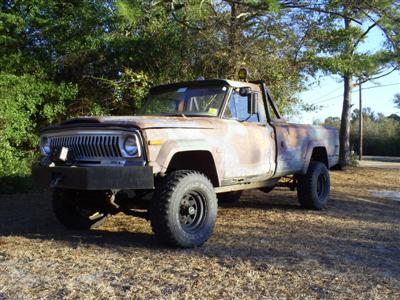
(379, 163)
(383, 158)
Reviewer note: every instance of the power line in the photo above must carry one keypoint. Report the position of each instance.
(367, 88)
(378, 86)
(354, 91)
(323, 96)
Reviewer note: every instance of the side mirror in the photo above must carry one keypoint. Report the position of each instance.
(252, 104)
(244, 91)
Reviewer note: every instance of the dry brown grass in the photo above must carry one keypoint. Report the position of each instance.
(263, 247)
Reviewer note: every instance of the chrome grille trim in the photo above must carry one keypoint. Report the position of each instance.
(92, 145)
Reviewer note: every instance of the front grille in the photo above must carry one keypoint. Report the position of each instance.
(88, 147)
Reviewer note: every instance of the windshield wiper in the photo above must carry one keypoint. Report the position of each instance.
(174, 114)
(244, 120)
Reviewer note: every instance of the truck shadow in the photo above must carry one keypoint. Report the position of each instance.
(353, 232)
(340, 205)
(31, 216)
(295, 240)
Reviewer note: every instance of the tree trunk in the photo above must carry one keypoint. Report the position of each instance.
(344, 136)
(360, 125)
(234, 40)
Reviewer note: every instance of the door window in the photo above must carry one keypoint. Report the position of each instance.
(237, 109)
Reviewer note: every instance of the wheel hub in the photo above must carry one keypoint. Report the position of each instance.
(192, 211)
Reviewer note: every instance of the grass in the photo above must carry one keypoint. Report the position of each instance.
(264, 247)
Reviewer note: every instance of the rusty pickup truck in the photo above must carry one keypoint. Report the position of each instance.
(192, 145)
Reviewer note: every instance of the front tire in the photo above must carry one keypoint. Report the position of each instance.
(313, 188)
(75, 209)
(184, 209)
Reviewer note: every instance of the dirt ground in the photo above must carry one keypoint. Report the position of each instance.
(264, 247)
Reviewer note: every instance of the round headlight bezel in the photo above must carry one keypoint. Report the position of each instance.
(45, 145)
(131, 146)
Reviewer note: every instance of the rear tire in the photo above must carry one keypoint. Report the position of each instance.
(229, 197)
(313, 188)
(74, 210)
(184, 209)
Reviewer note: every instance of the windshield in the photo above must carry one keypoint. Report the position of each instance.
(191, 101)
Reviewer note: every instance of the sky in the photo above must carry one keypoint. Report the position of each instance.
(328, 91)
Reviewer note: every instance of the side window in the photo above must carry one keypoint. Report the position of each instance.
(262, 115)
(237, 109)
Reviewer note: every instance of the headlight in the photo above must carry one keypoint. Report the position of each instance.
(131, 146)
(45, 146)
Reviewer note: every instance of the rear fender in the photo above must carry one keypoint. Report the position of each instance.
(308, 154)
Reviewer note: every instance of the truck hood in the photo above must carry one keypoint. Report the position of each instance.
(145, 122)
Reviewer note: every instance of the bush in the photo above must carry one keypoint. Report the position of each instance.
(381, 137)
(27, 103)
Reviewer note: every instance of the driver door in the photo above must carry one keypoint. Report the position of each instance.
(252, 139)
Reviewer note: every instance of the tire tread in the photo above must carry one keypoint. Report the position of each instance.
(305, 187)
(159, 214)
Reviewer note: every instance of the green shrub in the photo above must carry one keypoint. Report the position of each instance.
(381, 137)
(27, 103)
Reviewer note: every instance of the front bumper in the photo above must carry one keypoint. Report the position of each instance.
(95, 178)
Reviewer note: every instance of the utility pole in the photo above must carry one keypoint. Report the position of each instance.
(360, 129)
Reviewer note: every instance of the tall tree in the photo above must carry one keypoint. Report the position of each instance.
(344, 26)
(260, 35)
